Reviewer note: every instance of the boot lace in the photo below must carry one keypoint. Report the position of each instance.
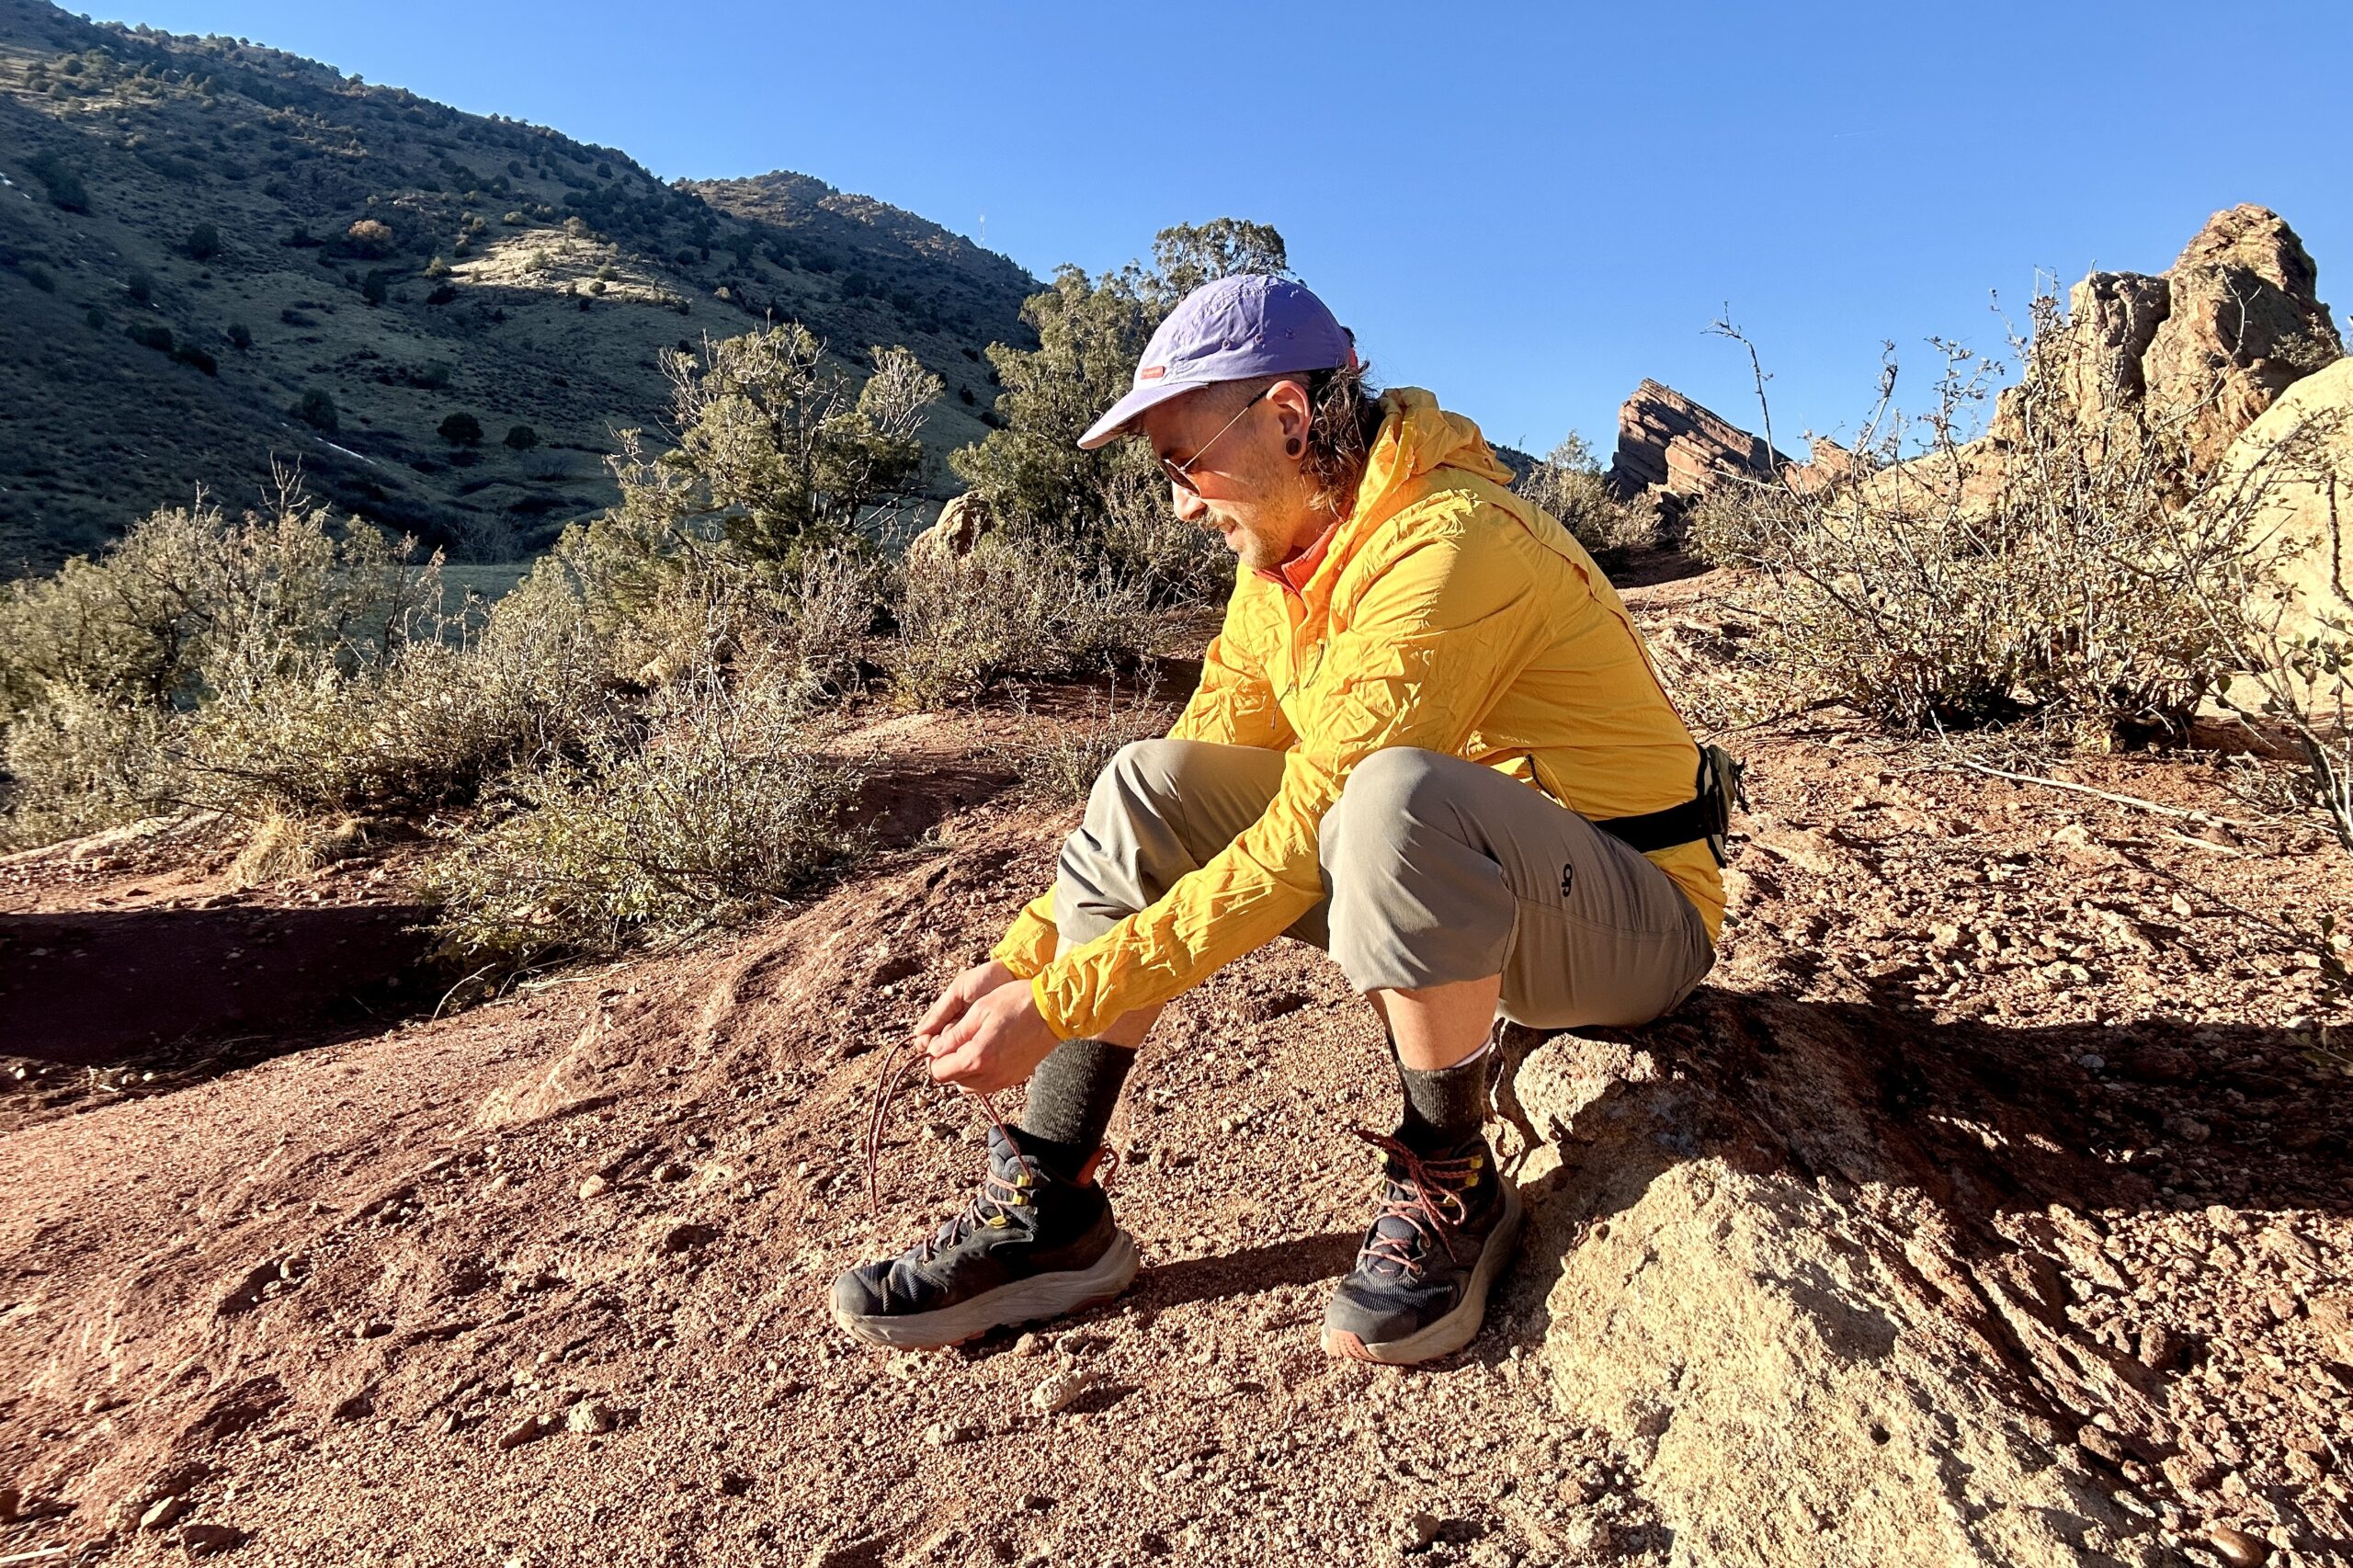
(1427, 1193)
(897, 1063)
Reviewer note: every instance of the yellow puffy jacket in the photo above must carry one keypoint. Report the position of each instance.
(1447, 613)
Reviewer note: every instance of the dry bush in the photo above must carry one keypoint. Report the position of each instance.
(78, 762)
(277, 665)
(1012, 606)
(1063, 760)
(1176, 562)
(2064, 588)
(1568, 483)
(722, 808)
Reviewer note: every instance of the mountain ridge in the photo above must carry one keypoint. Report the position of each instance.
(197, 233)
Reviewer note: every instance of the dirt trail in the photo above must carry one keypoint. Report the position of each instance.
(1984, 1207)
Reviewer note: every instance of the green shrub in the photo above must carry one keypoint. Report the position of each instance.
(1015, 606)
(150, 334)
(39, 278)
(139, 286)
(203, 242)
(317, 409)
(461, 430)
(64, 184)
(240, 335)
(436, 268)
(376, 287)
(723, 810)
(93, 318)
(521, 438)
(188, 354)
(778, 452)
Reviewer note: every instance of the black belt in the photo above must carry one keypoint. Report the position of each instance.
(1706, 815)
(1653, 831)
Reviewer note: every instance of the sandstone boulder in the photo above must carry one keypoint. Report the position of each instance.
(962, 523)
(1825, 1330)
(2293, 469)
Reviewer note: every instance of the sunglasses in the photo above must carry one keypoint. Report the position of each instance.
(1181, 474)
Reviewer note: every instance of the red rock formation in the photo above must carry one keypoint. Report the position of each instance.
(1670, 445)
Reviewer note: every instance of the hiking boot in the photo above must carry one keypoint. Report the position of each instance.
(1447, 1225)
(1028, 1246)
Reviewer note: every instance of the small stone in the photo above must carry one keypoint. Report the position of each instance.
(590, 1418)
(1063, 1390)
(1029, 1345)
(2237, 1547)
(161, 1512)
(204, 1540)
(1416, 1530)
(524, 1431)
(1588, 1536)
(375, 1330)
(2159, 1347)
(2100, 1441)
(685, 1238)
(669, 1170)
(10, 1501)
(594, 1186)
(940, 1434)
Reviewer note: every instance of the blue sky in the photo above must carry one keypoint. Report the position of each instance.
(1527, 208)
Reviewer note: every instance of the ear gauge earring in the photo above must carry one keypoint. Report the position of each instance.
(1291, 448)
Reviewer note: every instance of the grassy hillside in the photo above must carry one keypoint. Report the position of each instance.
(194, 233)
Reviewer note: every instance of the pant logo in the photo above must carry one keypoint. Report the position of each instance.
(1568, 874)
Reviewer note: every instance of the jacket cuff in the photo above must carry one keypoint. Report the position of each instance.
(1028, 945)
(1043, 998)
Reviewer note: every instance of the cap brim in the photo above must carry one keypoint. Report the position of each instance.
(1128, 409)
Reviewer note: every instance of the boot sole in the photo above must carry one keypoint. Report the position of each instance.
(1457, 1328)
(1012, 1303)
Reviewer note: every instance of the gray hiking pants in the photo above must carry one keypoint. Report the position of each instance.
(1434, 870)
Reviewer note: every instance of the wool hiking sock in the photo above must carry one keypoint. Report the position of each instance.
(1072, 1097)
(1445, 1107)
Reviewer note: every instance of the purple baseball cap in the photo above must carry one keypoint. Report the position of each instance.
(1249, 324)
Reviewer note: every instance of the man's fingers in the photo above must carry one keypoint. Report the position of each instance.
(942, 1011)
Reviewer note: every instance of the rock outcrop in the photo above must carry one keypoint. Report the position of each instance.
(1669, 446)
(2204, 347)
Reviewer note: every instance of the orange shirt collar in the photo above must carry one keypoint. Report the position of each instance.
(1301, 567)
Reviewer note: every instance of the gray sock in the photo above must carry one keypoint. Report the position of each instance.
(1447, 1106)
(1072, 1097)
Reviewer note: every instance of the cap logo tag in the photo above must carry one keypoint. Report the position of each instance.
(1152, 373)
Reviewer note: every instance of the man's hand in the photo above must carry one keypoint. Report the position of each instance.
(963, 992)
(985, 1033)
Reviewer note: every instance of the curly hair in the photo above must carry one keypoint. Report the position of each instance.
(1344, 417)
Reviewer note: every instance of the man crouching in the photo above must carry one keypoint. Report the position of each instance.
(1427, 739)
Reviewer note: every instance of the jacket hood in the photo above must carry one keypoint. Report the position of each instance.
(1417, 436)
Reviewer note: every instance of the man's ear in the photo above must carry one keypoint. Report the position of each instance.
(1293, 412)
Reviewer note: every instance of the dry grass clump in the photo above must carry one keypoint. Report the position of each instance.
(721, 808)
(281, 847)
